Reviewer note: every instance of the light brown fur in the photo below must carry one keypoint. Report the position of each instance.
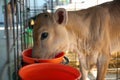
(92, 33)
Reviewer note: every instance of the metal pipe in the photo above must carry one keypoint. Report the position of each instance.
(21, 25)
(17, 22)
(34, 8)
(7, 37)
(24, 23)
(52, 6)
(14, 42)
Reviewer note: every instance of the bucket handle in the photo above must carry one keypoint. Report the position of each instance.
(66, 60)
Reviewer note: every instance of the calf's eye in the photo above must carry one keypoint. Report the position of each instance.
(44, 35)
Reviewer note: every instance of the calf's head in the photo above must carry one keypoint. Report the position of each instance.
(50, 34)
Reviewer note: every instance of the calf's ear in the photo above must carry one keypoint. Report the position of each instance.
(61, 16)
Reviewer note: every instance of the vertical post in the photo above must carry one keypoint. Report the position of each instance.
(52, 6)
(57, 2)
(26, 21)
(17, 37)
(13, 5)
(21, 25)
(24, 10)
(7, 38)
(34, 8)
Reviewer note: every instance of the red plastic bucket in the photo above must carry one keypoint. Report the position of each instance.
(49, 71)
(27, 59)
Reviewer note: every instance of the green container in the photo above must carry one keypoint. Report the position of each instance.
(29, 37)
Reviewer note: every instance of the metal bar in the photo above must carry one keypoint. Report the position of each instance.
(17, 22)
(34, 8)
(52, 6)
(7, 37)
(21, 25)
(14, 43)
(24, 22)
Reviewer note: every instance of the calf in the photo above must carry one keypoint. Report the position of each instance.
(92, 33)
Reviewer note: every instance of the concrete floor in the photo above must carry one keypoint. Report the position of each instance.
(3, 53)
(3, 56)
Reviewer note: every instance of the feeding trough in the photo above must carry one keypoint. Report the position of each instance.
(49, 71)
(27, 58)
